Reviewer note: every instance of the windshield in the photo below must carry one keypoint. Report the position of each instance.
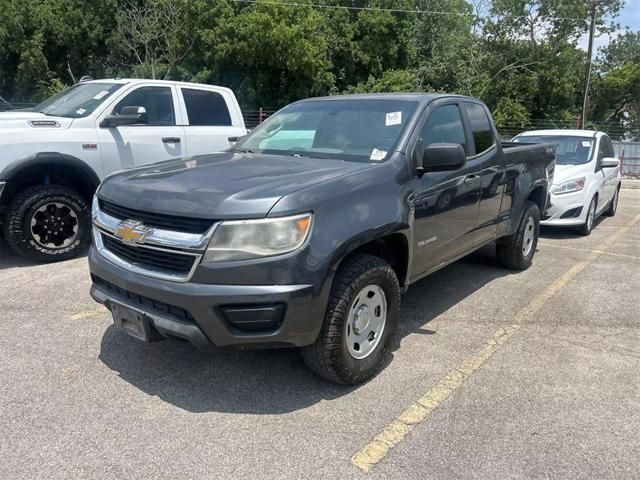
(77, 101)
(569, 150)
(353, 129)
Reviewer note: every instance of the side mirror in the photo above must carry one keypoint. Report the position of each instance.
(439, 157)
(609, 162)
(128, 116)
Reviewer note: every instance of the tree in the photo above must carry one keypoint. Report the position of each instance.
(615, 93)
(150, 34)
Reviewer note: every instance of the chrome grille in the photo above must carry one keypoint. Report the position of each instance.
(144, 257)
(156, 220)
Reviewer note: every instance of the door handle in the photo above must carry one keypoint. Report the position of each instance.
(469, 179)
(170, 139)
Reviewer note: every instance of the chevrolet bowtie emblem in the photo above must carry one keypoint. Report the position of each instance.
(132, 232)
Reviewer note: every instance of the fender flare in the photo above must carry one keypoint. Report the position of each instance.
(353, 243)
(49, 158)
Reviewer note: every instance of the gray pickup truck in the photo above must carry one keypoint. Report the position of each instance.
(307, 231)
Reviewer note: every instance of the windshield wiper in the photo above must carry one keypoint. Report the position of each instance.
(241, 150)
(303, 154)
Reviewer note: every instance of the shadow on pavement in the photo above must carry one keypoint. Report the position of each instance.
(274, 381)
(563, 233)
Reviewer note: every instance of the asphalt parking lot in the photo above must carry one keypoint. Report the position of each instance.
(497, 375)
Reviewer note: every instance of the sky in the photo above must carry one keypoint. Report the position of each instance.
(629, 17)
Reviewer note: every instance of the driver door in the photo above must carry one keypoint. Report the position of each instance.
(162, 138)
(446, 203)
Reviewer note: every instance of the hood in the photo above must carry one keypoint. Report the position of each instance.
(13, 120)
(562, 173)
(220, 186)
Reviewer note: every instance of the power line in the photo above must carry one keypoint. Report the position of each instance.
(416, 11)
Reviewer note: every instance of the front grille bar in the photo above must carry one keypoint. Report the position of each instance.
(158, 240)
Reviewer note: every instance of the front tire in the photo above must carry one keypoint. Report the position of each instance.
(47, 223)
(587, 226)
(360, 322)
(613, 206)
(516, 251)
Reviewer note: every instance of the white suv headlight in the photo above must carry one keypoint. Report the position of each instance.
(246, 239)
(569, 186)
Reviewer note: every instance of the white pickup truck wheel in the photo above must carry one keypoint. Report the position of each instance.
(48, 223)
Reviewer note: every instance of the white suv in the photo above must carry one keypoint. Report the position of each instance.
(53, 157)
(586, 180)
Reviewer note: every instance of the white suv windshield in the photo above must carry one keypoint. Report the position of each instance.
(77, 101)
(355, 129)
(569, 150)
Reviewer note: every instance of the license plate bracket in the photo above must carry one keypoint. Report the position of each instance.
(135, 323)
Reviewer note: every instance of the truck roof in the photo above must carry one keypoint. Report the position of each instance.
(134, 81)
(561, 131)
(412, 96)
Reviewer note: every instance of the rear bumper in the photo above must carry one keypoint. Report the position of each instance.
(214, 315)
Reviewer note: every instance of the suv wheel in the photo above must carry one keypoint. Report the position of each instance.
(516, 251)
(613, 206)
(47, 223)
(587, 226)
(360, 322)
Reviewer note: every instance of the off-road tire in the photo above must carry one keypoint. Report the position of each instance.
(17, 231)
(509, 251)
(613, 206)
(329, 356)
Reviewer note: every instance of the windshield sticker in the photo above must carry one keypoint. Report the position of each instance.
(377, 155)
(101, 95)
(393, 118)
(586, 144)
(80, 111)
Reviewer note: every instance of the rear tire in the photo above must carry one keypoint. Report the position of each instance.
(613, 206)
(586, 228)
(355, 340)
(516, 251)
(48, 223)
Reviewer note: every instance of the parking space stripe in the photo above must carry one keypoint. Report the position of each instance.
(89, 313)
(417, 412)
(623, 255)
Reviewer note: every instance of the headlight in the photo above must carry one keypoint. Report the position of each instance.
(568, 187)
(245, 239)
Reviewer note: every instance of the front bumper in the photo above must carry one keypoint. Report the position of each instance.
(207, 314)
(567, 210)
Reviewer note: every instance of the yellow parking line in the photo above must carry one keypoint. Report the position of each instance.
(89, 313)
(613, 254)
(417, 412)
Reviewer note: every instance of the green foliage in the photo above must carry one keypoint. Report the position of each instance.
(391, 81)
(615, 92)
(519, 56)
(511, 114)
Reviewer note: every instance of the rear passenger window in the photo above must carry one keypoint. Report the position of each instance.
(206, 108)
(444, 125)
(480, 127)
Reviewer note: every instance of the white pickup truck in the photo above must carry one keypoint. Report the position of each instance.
(53, 157)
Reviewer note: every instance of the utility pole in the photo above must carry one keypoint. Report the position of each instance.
(583, 117)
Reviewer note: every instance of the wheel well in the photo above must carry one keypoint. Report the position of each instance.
(539, 196)
(67, 175)
(392, 248)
